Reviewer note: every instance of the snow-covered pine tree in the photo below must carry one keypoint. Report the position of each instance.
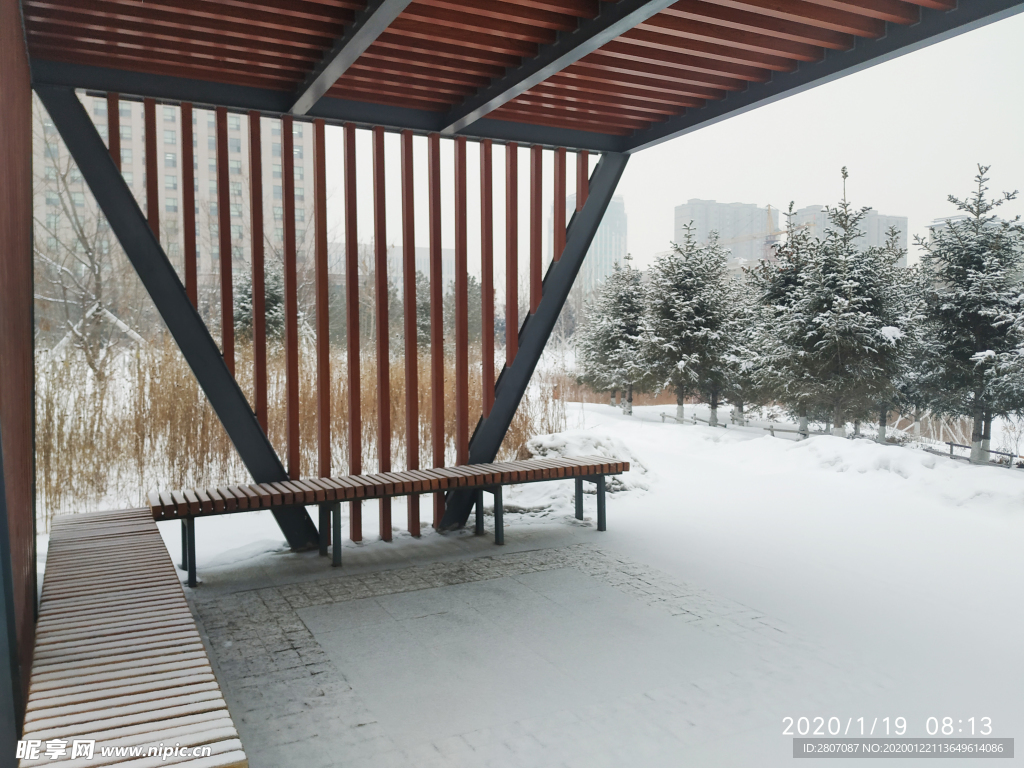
(608, 345)
(972, 267)
(689, 322)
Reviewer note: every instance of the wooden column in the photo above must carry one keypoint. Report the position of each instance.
(355, 424)
(511, 252)
(227, 308)
(380, 273)
(323, 318)
(582, 178)
(188, 203)
(436, 313)
(114, 129)
(291, 300)
(412, 389)
(558, 217)
(152, 166)
(486, 276)
(259, 303)
(461, 308)
(536, 213)
(16, 342)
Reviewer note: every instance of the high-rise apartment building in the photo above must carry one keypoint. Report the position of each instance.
(743, 228)
(875, 226)
(606, 250)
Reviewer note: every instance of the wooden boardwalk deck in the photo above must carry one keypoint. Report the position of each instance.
(118, 658)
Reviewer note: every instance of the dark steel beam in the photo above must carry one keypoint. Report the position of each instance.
(899, 39)
(357, 37)
(612, 20)
(334, 111)
(165, 288)
(534, 334)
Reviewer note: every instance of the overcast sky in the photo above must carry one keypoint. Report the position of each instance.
(911, 131)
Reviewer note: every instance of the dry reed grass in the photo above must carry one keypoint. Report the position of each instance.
(149, 426)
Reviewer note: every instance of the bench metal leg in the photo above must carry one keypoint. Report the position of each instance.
(479, 512)
(184, 545)
(600, 503)
(325, 528)
(579, 498)
(191, 547)
(499, 517)
(336, 530)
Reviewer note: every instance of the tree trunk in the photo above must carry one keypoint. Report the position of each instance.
(617, 397)
(856, 427)
(977, 431)
(801, 424)
(740, 419)
(917, 423)
(679, 404)
(986, 438)
(713, 418)
(629, 400)
(611, 397)
(883, 421)
(838, 425)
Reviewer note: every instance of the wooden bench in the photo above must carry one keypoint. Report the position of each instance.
(330, 492)
(118, 658)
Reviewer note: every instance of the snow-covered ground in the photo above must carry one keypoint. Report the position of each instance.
(897, 572)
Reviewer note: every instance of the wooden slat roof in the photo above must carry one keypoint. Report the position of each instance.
(663, 63)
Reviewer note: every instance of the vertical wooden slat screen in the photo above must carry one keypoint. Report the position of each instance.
(355, 428)
(412, 402)
(114, 129)
(558, 214)
(188, 204)
(323, 318)
(461, 308)
(227, 313)
(511, 252)
(436, 317)
(582, 178)
(380, 273)
(291, 299)
(486, 276)
(536, 210)
(152, 175)
(259, 308)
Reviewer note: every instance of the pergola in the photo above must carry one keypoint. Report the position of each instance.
(583, 76)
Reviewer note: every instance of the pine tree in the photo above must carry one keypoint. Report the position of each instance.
(972, 269)
(609, 344)
(690, 322)
(273, 301)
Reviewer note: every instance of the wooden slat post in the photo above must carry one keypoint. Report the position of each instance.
(487, 275)
(152, 166)
(461, 308)
(412, 400)
(227, 310)
(323, 324)
(291, 300)
(558, 215)
(355, 427)
(582, 178)
(436, 313)
(259, 306)
(188, 203)
(536, 214)
(114, 129)
(511, 252)
(380, 267)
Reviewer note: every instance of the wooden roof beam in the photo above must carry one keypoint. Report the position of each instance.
(366, 27)
(612, 20)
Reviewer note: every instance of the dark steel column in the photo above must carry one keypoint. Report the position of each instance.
(355, 423)
(412, 387)
(515, 378)
(380, 274)
(259, 305)
(436, 313)
(172, 302)
(227, 298)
